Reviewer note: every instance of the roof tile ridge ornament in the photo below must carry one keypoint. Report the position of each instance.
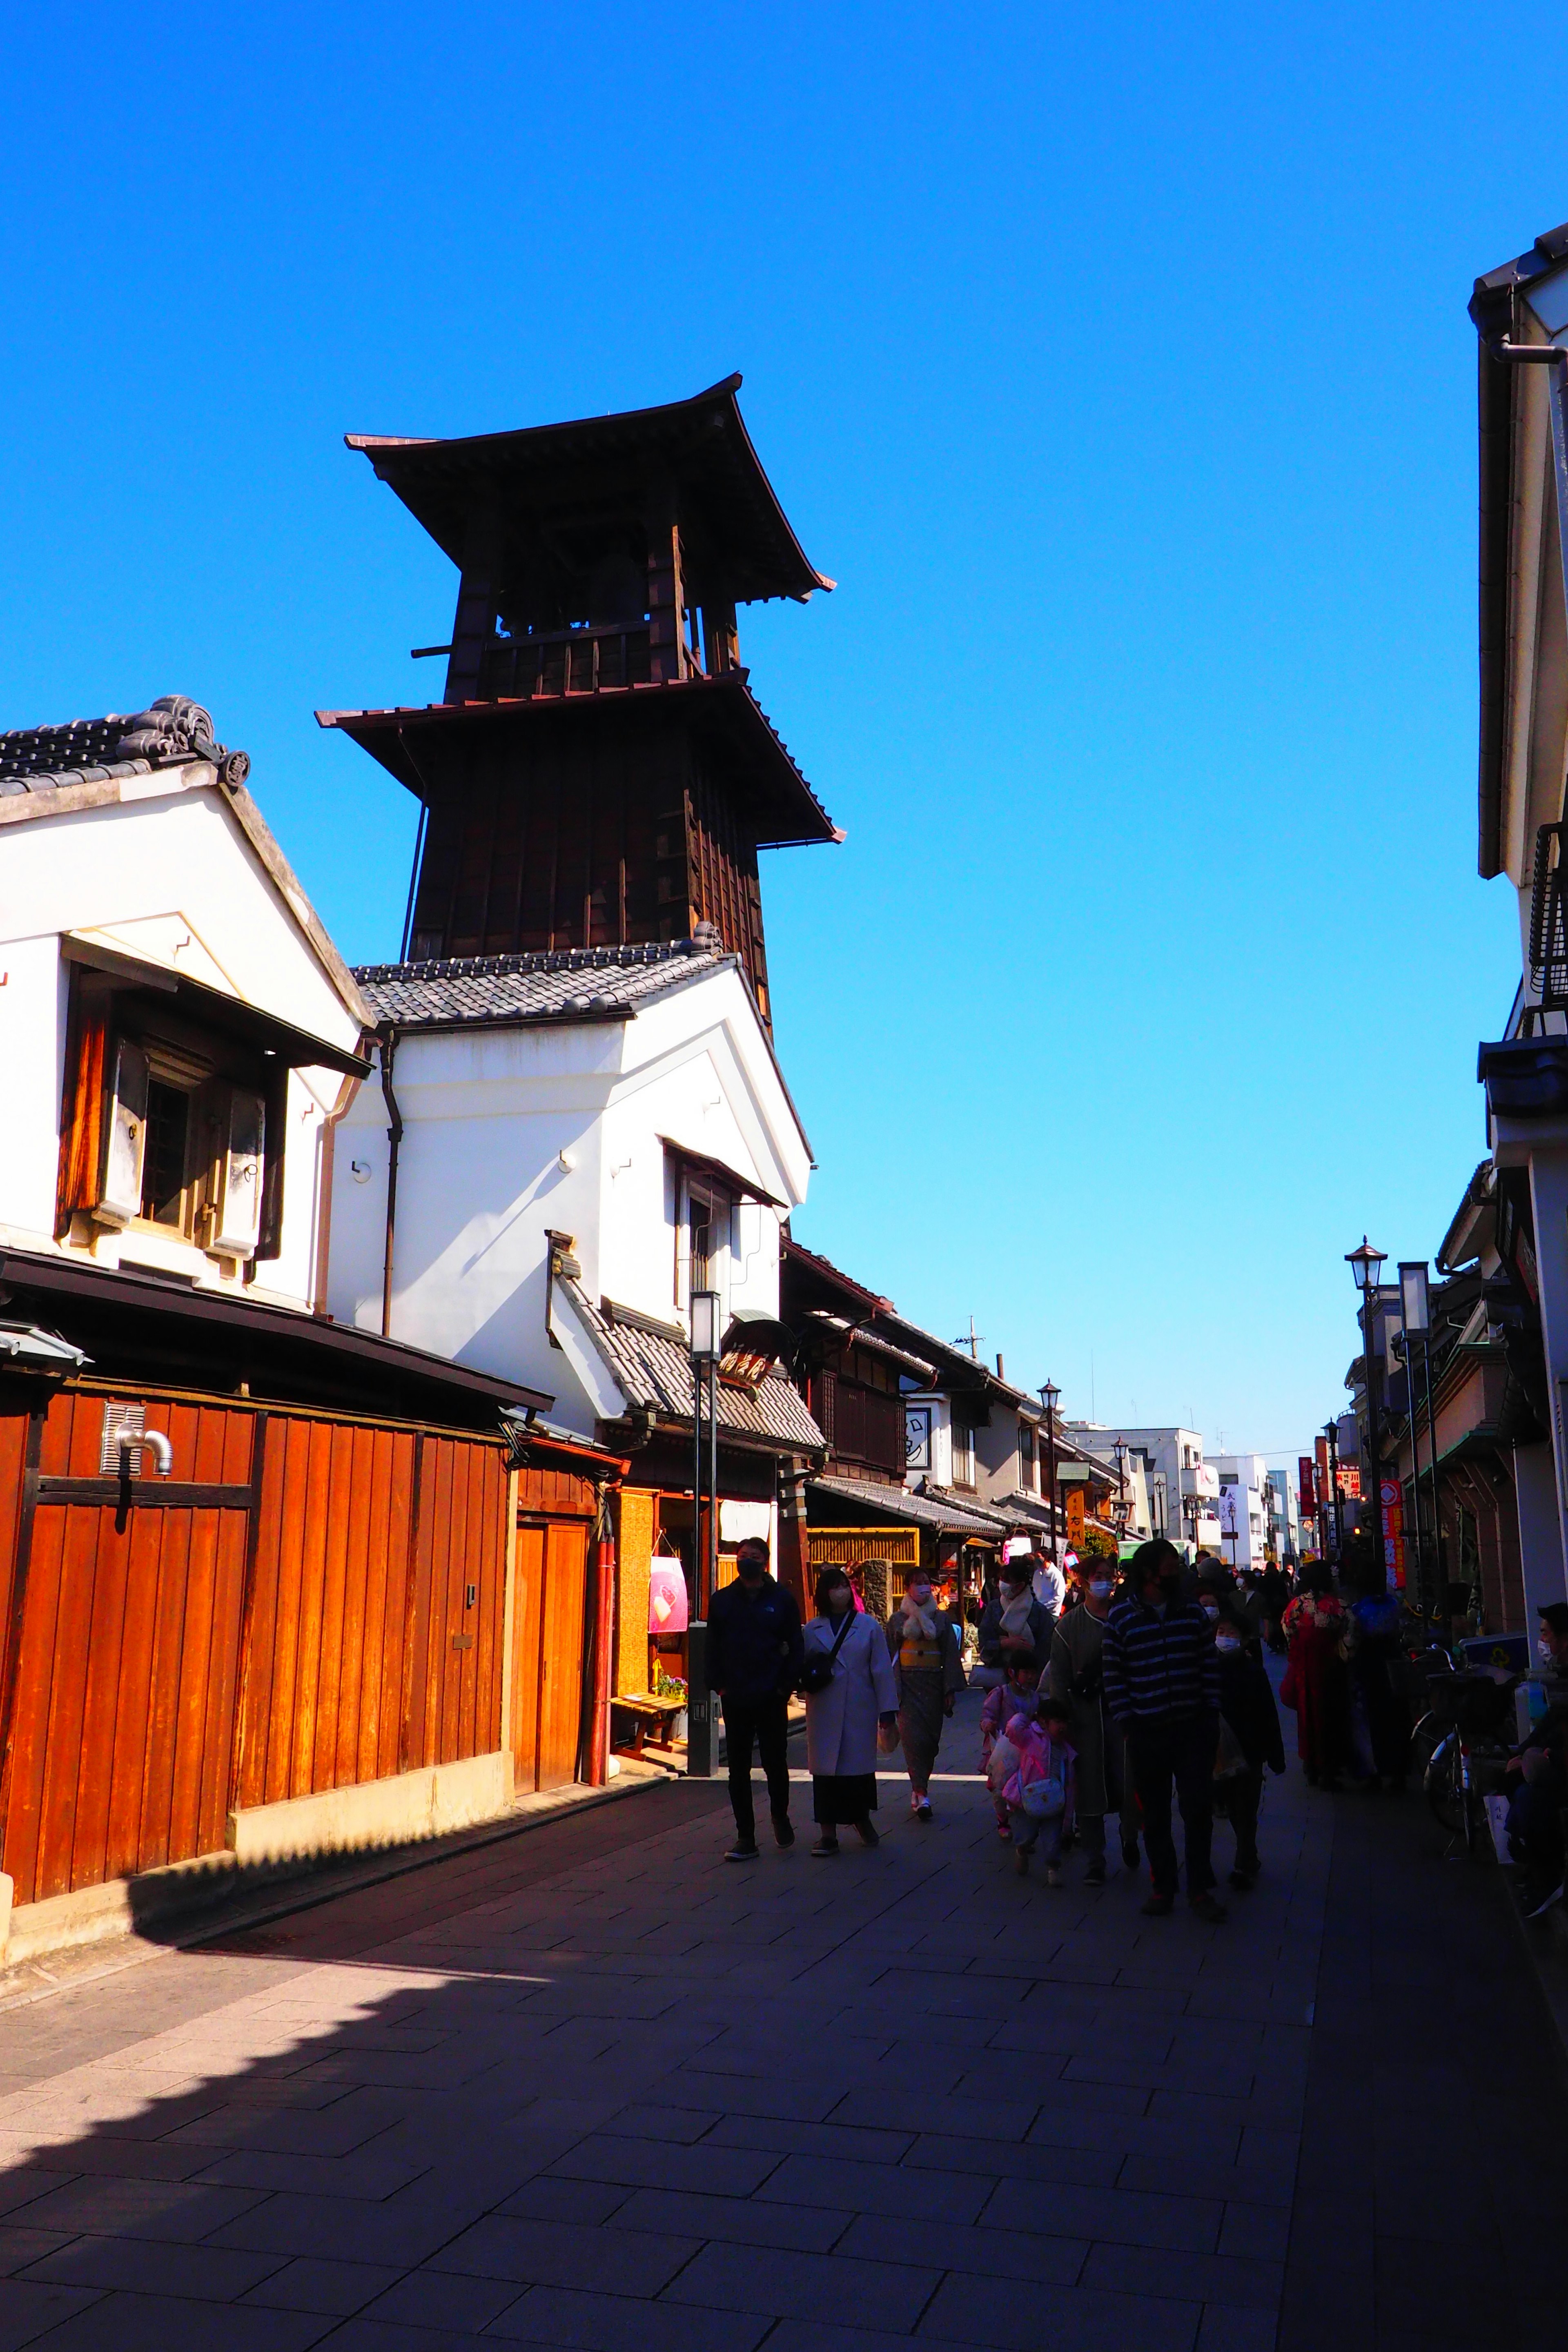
(176, 728)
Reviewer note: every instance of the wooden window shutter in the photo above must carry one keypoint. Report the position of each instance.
(237, 1227)
(125, 1138)
(269, 1236)
(81, 1109)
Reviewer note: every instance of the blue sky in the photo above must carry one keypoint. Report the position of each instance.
(1119, 373)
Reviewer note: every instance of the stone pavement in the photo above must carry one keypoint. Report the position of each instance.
(593, 2087)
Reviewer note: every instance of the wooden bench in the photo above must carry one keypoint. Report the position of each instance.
(652, 1719)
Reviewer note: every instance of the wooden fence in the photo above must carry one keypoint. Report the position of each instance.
(304, 1603)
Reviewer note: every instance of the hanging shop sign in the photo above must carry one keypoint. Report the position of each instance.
(1393, 1535)
(1075, 1516)
(1305, 1481)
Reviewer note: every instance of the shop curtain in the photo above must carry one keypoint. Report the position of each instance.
(82, 1121)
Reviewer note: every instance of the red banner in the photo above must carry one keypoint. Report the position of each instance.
(1309, 1498)
(1393, 1535)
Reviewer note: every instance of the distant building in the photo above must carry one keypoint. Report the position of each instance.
(1245, 1497)
(1182, 1488)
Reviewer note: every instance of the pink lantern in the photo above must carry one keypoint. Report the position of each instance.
(667, 1597)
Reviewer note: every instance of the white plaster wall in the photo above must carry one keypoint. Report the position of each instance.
(169, 877)
(487, 1114)
(177, 854)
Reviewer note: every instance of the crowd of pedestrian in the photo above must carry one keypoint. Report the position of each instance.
(1137, 1691)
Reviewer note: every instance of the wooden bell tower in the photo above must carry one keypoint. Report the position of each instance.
(598, 773)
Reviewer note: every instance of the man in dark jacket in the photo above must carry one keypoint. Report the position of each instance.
(1162, 1684)
(1248, 1709)
(754, 1657)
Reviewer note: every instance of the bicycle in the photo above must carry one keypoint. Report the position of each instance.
(1459, 1733)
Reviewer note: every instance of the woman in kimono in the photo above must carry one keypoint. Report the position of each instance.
(929, 1665)
(842, 1718)
(1316, 1682)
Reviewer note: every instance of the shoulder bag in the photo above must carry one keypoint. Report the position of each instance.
(817, 1670)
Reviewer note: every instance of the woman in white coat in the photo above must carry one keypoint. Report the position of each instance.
(858, 1693)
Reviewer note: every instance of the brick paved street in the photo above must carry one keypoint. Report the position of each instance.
(591, 2087)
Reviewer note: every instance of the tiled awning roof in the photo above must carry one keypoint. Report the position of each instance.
(899, 1503)
(565, 984)
(651, 1365)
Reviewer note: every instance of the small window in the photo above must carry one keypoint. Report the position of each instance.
(962, 1457)
(701, 1239)
(163, 1159)
(1025, 1456)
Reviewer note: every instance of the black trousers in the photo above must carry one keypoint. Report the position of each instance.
(765, 1721)
(1179, 1748)
(1243, 1795)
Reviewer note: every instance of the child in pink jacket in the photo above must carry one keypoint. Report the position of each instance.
(1040, 1792)
(1018, 1696)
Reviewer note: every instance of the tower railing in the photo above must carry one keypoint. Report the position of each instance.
(553, 662)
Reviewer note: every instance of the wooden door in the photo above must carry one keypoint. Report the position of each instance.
(528, 1594)
(560, 1647)
(548, 1630)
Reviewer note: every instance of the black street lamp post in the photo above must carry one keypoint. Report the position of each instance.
(705, 1352)
(1365, 1265)
(1049, 1395)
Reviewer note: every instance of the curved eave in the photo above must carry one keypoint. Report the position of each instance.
(798, 817)
(427, 473)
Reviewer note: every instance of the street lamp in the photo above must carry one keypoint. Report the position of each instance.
(707, 1346)
(1193, 1509)
(1366, 1264)
(1049, 1397)
(1123, 1508)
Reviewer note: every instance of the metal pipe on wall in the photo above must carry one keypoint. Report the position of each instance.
(388, 1036)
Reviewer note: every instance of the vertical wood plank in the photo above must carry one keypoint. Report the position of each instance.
(35, 1593)
(291, 1575)
(103, 1665)
(223, 1668)
(415, 1638)
(352, 1662)
(334, 1580)
(194, 1681)
(134, 1697)
(67, 1674)
(373, 1635)
(312, 1562)
(162, 1713)
(252, 1581)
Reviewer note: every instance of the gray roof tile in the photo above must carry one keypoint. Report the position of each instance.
(561, 984)
(900, 1503)
(650, 1365)
(169, 733)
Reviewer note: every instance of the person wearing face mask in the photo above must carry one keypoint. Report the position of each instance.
(1246, 1707)
(1077, 1678)
(1162, 1685)
(1015, 1624)
(849, 1688)
(929, 1674)
(753, 1664)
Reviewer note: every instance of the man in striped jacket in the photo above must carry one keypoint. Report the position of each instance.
(1162, 1684)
